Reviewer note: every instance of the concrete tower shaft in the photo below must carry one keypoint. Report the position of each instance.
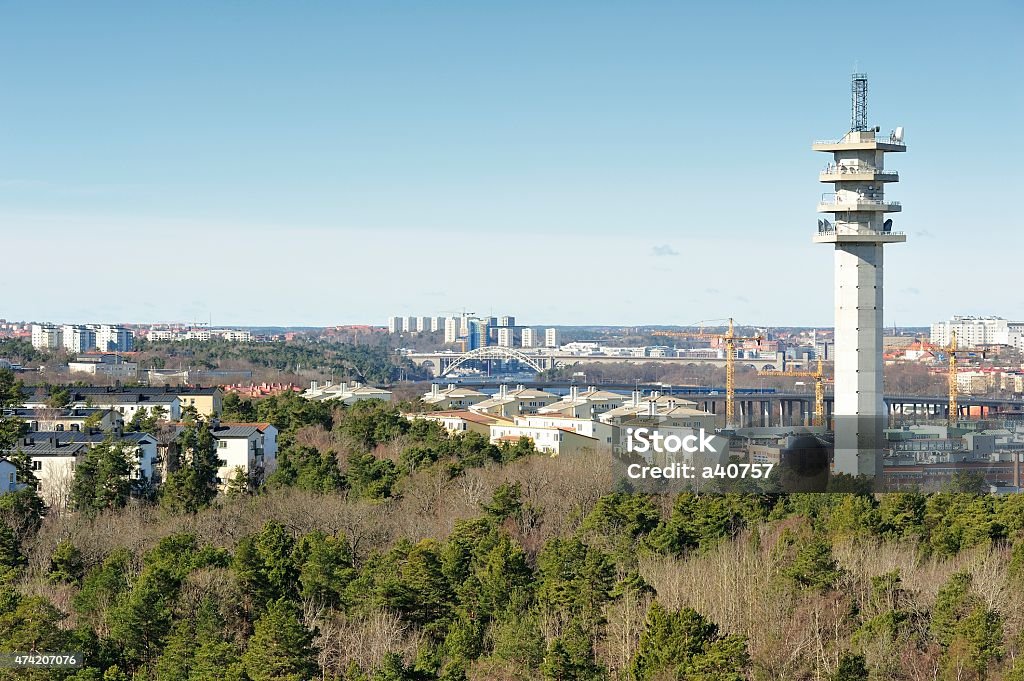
(858, 230)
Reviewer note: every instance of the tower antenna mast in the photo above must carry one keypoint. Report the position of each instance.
(859, 102)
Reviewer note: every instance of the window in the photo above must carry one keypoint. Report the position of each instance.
(222, 444)
(37, 465)
(222, 462)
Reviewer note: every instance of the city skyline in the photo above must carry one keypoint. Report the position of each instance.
(465, 156)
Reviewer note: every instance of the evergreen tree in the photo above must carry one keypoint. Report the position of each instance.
(281, 648)
(265, 565)
(103, 478)
(143, 619)
(685, 645)
(66, 563)
(194, 485)
(814, 566)
(851, 668)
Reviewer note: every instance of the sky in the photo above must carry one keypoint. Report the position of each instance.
(574, 162)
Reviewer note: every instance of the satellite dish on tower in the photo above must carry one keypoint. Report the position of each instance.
(897, 135)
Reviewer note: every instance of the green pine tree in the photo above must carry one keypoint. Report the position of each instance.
(281, 648)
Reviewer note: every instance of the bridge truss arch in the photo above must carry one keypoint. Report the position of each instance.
(493, 352)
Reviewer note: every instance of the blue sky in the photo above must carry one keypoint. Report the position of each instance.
(567, 162)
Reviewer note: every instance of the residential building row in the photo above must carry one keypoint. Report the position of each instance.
(346, 392)
(475, 331)
(587, 419)
(58, 441)
(207, 401)
(77, 338)
(200, 333)
(978, 331)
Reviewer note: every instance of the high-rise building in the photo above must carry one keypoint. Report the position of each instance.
(507, 320)
(78, 338)
(478, 334)
(46, 337)
(423, 324)
(506, 336)
(551, 338)
(437, 324)
(858, 231)
(409, 324)
(394, 325)
(451, 329)
(110, 338)
(529, 338)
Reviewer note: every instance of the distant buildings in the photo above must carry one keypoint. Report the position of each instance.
(76, 338)
(452, 397)
(468, 328)
(46, 337)
(200, 333)
(345, 393)
(974, 331)
(110, 366)
(551, 338)
(529, 338)
(451, 330)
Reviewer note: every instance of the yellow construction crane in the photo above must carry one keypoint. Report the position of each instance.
(730, 339)
(819, 388)
(954, 388)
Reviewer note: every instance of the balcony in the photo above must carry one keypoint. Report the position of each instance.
(861, 141)
(846, 173)
(833, 234)
(833, 203)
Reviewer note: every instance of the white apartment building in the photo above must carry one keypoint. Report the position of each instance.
(423, 324)
(409, 324)
(46, 337)
(509, 403)
(126, 404)
(551, 338)
(394, 325)
(55, 454)
(553, 441)
(110, 338)
(451, 329)
(234, 335)
(529, 338)
(251, 447)
(506, 337)
(974, 331)
(603, 433)
(437, 324)
(78, 338)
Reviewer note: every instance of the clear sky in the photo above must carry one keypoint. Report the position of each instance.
(583, 162)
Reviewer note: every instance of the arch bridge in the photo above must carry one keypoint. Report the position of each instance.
(492, 352)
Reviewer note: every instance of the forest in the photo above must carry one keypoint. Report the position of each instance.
(386, 550)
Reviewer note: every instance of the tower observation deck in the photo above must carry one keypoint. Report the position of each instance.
(858, 229)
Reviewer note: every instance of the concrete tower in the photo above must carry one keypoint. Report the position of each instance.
(858, 230)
